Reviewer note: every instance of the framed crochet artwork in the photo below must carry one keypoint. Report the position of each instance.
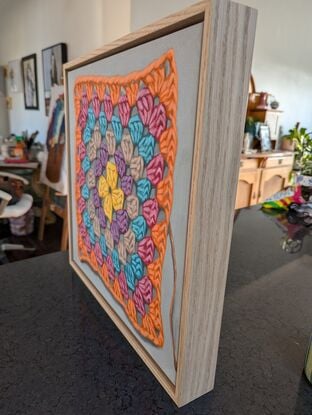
(152, 170)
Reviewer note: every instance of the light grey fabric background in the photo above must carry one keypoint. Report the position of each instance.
(187, 47)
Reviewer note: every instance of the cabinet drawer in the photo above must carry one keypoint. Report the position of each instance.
(249, 163)
(278, 161)
(273, 180)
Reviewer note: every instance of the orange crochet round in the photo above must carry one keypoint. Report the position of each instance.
(126, 143)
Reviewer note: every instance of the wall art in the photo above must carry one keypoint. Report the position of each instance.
(53, 59)
(15, 76)
(53, 170)
(154, 124)
(29, 72)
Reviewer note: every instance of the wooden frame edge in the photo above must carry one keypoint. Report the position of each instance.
(184, 394)
(198, 137)
(185, 18)
(200, 12)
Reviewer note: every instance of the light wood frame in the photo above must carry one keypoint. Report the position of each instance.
(226, 55)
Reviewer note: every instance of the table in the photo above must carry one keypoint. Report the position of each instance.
(60, 354)
(32, 165)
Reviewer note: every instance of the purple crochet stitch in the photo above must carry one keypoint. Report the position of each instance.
(114, 228)
(122, 220)
(120, 162)
(101, 216)
(96, 197)
(126, 184)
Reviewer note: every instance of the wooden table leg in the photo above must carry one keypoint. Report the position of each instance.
(44, 211)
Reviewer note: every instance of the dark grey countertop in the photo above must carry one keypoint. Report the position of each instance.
(60, 354)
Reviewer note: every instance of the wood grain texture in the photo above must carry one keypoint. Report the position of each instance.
(216, 161)
(222, 99)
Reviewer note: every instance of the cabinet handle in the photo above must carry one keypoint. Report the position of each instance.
(280, 161)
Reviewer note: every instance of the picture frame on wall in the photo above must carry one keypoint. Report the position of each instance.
(53, 58)
(15, 76)
(30, 82)
(53, 172)
(150, 223)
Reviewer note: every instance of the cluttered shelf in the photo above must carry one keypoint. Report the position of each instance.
(270, 161)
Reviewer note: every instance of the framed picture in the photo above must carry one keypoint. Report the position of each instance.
(15, 76)
(148, 165)
(265, 139)
(53, 171)
(53, 59)
(29, 71)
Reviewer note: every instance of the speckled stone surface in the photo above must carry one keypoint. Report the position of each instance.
(60, 354)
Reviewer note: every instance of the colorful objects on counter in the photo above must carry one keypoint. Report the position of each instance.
(300, 213)
(283, 199)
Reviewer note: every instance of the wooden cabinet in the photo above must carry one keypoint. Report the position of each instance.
(261, 176)
(272, 181)
(248, 188)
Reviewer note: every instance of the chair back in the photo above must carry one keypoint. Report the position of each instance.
(4, 200)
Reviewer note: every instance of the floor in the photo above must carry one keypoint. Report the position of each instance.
(51, 242)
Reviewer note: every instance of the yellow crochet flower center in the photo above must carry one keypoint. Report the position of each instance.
(113, 197)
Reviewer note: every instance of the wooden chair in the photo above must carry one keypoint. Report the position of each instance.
(49, 205)
(16, 210)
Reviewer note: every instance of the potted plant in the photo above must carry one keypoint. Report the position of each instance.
(249, 134)
(303, 155)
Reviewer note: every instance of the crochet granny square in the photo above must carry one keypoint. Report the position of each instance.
(126, 142)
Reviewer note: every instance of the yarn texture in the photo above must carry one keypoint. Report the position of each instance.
(126, 144)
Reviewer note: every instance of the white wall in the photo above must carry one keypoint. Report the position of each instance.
(28, 26)
(282, 60)
(282, 63)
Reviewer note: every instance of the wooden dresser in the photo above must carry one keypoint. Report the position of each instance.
(261, 175)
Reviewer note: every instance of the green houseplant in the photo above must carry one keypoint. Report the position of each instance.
(303, 158)
(303, 149)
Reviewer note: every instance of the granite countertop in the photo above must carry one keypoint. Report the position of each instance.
(60, 354)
